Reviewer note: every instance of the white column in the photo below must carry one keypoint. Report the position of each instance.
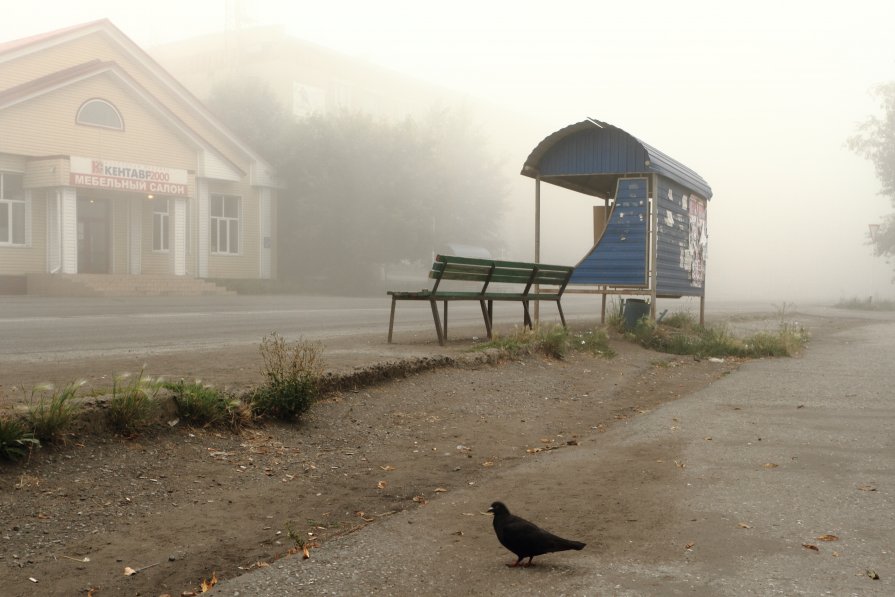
(54, 232)
(179, 244)
(68, 198)
(135, 236)
(202, 246)
(266, 232)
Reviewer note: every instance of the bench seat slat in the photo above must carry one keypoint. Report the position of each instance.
(492, 275)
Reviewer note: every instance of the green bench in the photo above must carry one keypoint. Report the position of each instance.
(486, 281)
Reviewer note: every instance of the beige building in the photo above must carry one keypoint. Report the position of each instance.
(110, 166)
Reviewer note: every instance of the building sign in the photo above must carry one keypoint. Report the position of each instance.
(121, 176)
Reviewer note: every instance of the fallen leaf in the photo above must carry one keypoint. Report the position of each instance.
(487, 463)
(128, 571)
(743, 525)
(770, 465)
(206, 586)
(440, 490)
(689, 545)
(810, 546)
(679, 464)
(458, 533)
(866, 487)
(305, 552)
(381, 484)
(828, 537)
(872, 574)
(387, 468)
(420, 500)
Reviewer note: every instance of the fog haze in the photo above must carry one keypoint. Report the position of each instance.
(757, 98)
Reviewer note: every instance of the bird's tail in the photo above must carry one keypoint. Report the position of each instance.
(577, 545)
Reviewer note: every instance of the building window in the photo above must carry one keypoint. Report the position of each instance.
(224, 224)
(160, 225)
(12, 209)
(97, 112)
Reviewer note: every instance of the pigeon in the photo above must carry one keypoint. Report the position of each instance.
(526, 539)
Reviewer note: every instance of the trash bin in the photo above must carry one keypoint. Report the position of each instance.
(634, 310)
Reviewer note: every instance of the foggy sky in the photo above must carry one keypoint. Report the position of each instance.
(758, 98)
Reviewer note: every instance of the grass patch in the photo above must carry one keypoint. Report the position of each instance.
(867, 304)
(681, 334)
(554, 341)
(15, 439)
(292, 372)
(133, 405)
(202, 404)
(51, 410)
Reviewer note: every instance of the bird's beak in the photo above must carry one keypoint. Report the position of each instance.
(490, 510)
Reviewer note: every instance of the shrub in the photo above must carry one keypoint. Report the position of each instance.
(292, 374)
(680, 334)
(133, 404)
(202, 404)
(15, 439)
(554, 341)
(595, 341)
(53, 411)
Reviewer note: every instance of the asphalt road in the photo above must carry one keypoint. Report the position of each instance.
(43, 327)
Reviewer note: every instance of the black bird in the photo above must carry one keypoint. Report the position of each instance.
(526, 539)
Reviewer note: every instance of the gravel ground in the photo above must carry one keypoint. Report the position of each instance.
(181, 505)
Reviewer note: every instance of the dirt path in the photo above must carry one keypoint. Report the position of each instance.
(181, 505)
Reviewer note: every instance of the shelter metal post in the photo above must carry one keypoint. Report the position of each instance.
(537, 309)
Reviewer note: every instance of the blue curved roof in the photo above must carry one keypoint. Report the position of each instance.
(591, 155)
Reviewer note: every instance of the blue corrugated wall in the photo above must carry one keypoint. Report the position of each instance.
(682, 241)
(620, 256)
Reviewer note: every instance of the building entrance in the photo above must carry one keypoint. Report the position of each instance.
(93, 236)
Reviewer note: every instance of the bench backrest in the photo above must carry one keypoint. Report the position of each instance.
(489, 271)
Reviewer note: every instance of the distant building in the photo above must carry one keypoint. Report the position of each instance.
(304, 77)
(109, 165)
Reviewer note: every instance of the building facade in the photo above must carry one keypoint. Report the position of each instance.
(108, 165)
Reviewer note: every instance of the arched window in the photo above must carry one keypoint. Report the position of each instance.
(97, 112)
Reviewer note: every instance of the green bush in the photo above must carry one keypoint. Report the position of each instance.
(554, 341)
(680, 334)
(15, 439)
(594, 341)
(133, 405)
(53, 410)
(292, 374)
(202, 404)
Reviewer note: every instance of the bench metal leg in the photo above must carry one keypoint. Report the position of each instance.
(487, 318)
(434, 305)
(391, 320)
(562, 317)
(527, 316)
(444, 326)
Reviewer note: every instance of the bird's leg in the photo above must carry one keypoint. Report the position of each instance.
(514, 564)
(529, 562)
